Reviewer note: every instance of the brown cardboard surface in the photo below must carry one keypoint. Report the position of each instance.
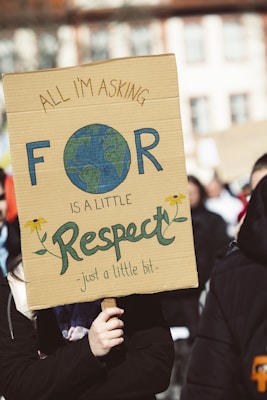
(238, 148)
(98, 161)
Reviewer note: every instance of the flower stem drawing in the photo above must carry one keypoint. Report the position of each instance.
(36, 225)
(174, 201)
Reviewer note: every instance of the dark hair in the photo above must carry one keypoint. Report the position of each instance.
(12, 264)
(2, 177)
(260, 163)
(201, 188)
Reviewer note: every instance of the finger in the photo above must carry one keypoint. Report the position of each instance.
(112, 333)
(112, 340)
(116, 342)
(108, 313)
(114, 323)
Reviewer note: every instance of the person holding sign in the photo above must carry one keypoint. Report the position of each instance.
(75, 319)
(127, 354)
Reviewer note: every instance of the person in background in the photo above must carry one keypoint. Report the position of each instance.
(9, 224)
(244, 196)
(258, 171)
(210, 243)
(229, 356)
(221, 201)
(211, 240)
(181, 307)
(126, 357)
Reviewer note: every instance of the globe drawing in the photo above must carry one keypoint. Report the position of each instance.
(97, 158)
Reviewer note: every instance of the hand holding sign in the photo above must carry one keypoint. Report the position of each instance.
(106, 331)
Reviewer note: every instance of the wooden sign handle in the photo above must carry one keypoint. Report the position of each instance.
(108, 302)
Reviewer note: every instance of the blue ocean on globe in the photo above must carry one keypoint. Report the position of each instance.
(97, 158)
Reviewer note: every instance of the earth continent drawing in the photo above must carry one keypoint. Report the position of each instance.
(97, 158)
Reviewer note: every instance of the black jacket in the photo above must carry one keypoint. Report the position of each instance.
(233, 326)
(137, 370)
(210, 243)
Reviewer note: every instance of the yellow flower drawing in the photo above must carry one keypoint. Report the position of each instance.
(174, 200)
(35, 224)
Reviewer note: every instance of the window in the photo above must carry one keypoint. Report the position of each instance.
(199, 115)
(239, 108)
(48, 48)
(194, 43)
(7, 55)
(234, 44)
(140, 39)
(99, 45)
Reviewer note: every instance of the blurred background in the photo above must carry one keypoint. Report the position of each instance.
(221, 54)
(220, 49)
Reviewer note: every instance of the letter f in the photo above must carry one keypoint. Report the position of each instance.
(31, 160)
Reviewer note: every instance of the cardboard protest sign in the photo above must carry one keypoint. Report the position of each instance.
(238, 148)
(98, 161)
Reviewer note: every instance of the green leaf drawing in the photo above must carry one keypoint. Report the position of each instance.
(180, 219)
(41, 252)
(44, 238)
(166, 217)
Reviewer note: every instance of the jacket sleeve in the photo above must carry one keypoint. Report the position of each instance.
(142, 367)
(24, 375)
(214, 364)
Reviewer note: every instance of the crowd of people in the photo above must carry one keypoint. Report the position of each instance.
(229, 356)
(217, 216)
(82, 351)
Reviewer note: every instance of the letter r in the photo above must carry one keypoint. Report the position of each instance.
(31, 160)
(144, 151)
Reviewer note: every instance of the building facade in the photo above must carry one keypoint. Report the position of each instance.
(220, 49)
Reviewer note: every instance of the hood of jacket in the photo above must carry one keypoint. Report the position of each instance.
(252, 236)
